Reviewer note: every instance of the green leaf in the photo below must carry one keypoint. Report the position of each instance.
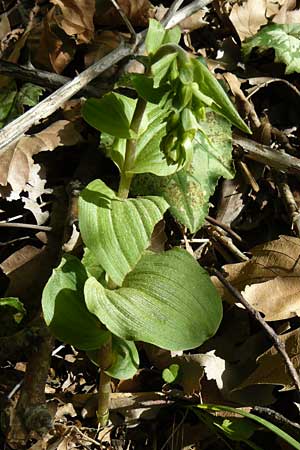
(270, 426)
(188, 191)
(172, 36)
(117, 231)
(155, 36)
(161, 67)
(29, 95)
(15, 303)
(111, 114)
(149, 158)
(64, 308)
(209, 86)
(125, 359)
(168, 300)
(171, 373)
(284, 39)
(91, 264)
(7, 99)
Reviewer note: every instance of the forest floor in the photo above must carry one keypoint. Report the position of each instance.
(249, 241)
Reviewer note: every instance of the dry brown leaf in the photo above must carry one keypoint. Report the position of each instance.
(271, 366)
(270, 279)
(75, 17)
(245, 107)
(288, 13)
(194, 22)
(48, 49)
(137, 11)
(248, 17)
(104, 43)
(17, 163)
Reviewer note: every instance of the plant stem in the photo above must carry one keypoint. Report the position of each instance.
(130, 154)
(105, 360)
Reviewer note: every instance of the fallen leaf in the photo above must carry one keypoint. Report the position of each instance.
(137, 11)
(246, 107)
(193, 22)
(48, 48)
(271, 366)
(270, 280)
(75, 17)
(104, 43)
(288, 13)
(17, 163)
(248, 17)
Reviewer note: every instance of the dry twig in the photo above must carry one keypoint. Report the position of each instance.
(278, 344)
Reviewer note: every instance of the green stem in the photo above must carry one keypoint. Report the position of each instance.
(105, 360)
(130, 153)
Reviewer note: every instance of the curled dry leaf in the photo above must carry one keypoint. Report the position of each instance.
(137, 11)
(288, 13)
(17, 163)
(271, 366)
(48, 49)
(75, 17)
(249, 16)
(270, 280)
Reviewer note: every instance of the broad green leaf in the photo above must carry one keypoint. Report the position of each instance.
(160, 69)
(111, 114)
(270, 426)
(117, 231)
(168, 300)
(144, 85)
(64, 308)
(188, 191)
(14, 303)
(172, 36)
(125, 359)
(284, 39)
(149, 158)
(155, 36)
(91, 264)
(209, 86)
(170, 374)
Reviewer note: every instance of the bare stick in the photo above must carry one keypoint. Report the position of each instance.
(276, 159)
(28, 226)
(126, 21)
(45, 108)
(49, 105)
(43, 78)
(185, 12)
(278, 344)
(289, 202)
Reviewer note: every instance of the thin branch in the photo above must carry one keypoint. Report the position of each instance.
(276, 159)
(289, 202)
(278, 344)
(42, 78)
(49, 105)
(172, 10)
(28, 226)
(126, 21)
(185, 12)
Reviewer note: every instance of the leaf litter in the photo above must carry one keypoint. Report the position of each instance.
(238, 366)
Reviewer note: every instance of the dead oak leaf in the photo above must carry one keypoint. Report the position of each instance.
(270, 280)
(137, 11)
(76, 18)
(271, 366)
(17, 162)
(248, 17)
